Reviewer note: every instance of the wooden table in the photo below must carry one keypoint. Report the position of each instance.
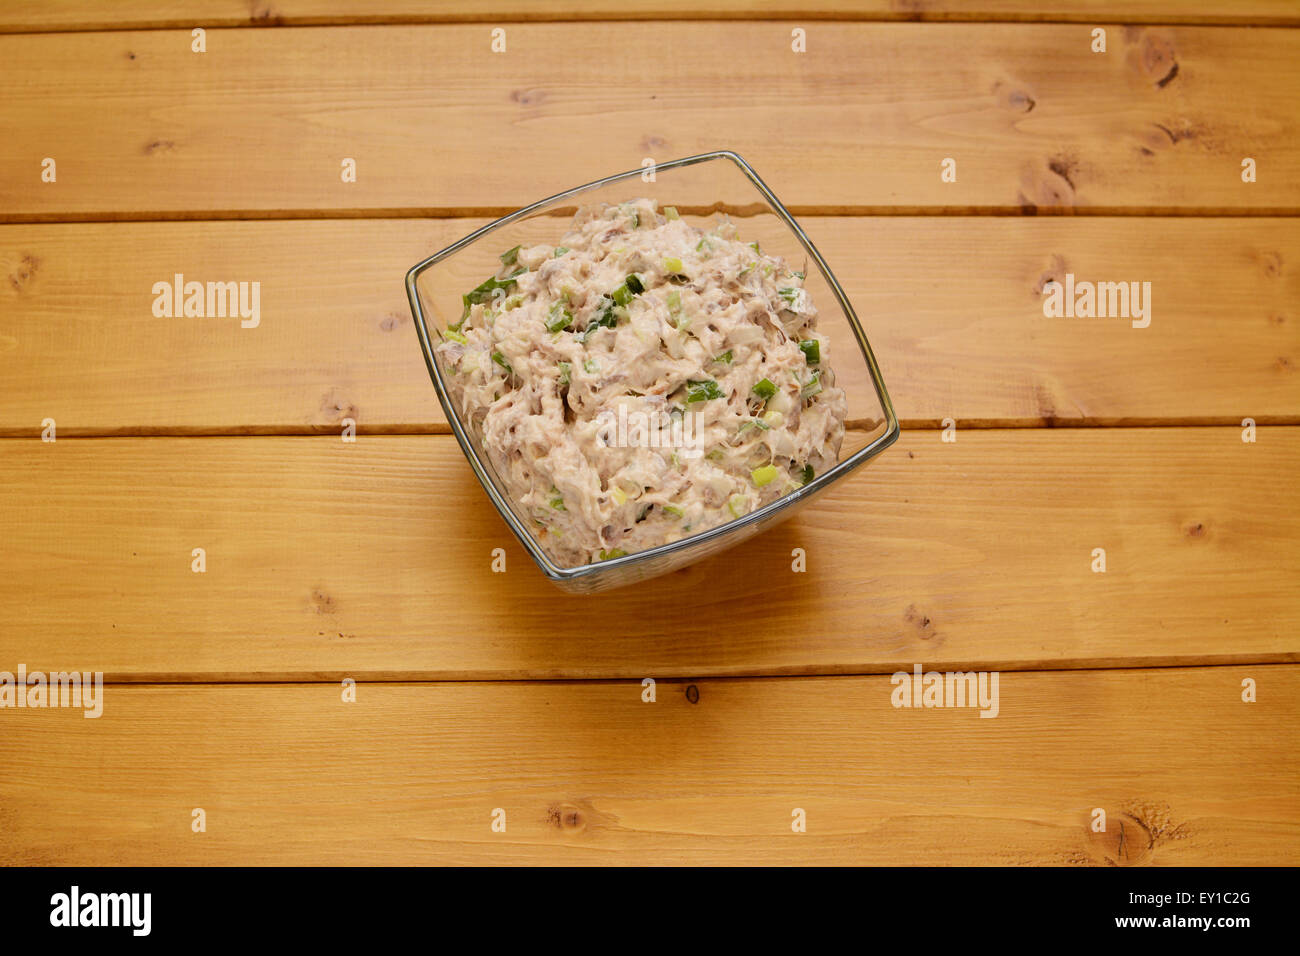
(484, 696)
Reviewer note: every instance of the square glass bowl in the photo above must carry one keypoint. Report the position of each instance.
(701, 188)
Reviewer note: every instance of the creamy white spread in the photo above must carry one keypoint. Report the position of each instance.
(643, 380)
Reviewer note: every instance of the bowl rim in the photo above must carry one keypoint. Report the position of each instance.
(554, 571)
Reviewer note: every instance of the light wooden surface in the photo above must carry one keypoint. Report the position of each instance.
(587, 773)
(374, 559)
(259, 124)
(82, 346)
(371, 560)
(125, 14)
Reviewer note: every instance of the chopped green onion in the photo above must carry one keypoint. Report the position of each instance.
(754, 246)
(484, 291)
(673, 265)
(813, 387)
(675, 305)
(590, 366)
(738, 505)
(715, 454)
(812, 350)
(763, 476)
(755, 424)
(702, 391)
(608, 319)
(726, 358)
(501, 360)
(514, 302)
(558, 318)
(798, 275)
(790, 295)
(565, 368)
(609, 555)
(670, 213)
(455, 336)
(765, 389)
(557, 499)
(560, 250)
(630, 287)
(807, 474)
(745, 271)
(704, 245)
(510, 256)
(672, 509)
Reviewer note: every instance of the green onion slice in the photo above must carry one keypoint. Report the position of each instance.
(702, 391)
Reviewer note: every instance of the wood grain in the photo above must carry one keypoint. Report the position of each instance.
(141, 127)
(127, 14)
(587, 773)
(952, 307)
(372, 559)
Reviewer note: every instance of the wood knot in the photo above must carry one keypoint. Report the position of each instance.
(335, 407)
(1129, 843)
(391, 321)
(1157, 59)
(1134, 833)
(1063, 166)
(322, 603)
(1055, 272)
(528, 97)
(920, 622)
(692, 693)
(24, 272)
(566, 817)
(1051, 184)
(1012, 97)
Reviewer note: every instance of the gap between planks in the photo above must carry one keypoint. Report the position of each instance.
(1106, 18)
(416, 678)
(439, 428)
(798, 211)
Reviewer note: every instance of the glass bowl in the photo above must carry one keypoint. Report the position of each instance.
(700, 187)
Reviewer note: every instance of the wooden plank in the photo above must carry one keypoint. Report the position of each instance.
(327, 559)
(80, 344)
(588, 773)
(140, 126)
(128, 14)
